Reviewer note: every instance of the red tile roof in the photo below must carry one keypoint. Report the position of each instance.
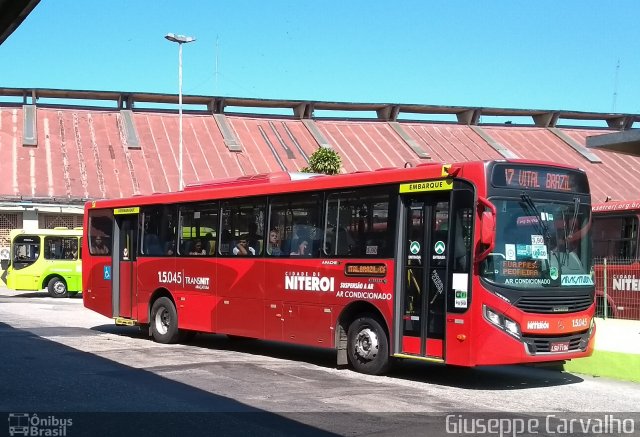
(84, 153)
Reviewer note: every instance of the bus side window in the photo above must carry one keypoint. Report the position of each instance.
(358, 224)
(158, 229)
(100, 231)
(152, 245)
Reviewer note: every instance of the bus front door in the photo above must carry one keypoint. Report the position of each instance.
(425, 275)
(124, 265)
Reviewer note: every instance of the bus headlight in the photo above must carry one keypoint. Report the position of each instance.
(512, 327)
(493, 317)
(501, 321)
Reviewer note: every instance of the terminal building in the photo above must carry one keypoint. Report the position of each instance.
(61, 148)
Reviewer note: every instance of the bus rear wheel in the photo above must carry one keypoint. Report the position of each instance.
(57, 287)
(164, 321)
(368, 346)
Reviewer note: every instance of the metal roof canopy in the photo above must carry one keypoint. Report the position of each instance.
(627, 142)
(12, 13)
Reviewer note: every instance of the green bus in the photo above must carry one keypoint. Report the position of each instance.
(46, 258)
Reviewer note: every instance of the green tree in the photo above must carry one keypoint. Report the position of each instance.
(324, 160)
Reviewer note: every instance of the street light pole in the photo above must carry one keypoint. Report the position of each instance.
(180, 39)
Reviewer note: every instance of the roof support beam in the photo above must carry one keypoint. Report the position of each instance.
(229, 136)
(303, 110)
(620, 123)
(622, 142)
(29, 125)
(408, 140)
(129, 129)
(316, 133)
(586, 153)
(548, 119)
(469, 117)
(388, 113)
(216, 106)
(494, 144)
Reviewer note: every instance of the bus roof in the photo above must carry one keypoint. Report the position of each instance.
(283, 182)
(76, 232)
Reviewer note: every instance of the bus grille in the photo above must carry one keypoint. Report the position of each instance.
(556, 304)
(542, 345)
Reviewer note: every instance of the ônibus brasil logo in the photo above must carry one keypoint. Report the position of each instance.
(33, 425)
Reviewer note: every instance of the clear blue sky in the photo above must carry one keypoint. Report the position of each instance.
(533, 55)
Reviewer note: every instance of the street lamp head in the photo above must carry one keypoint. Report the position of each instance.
(180, 39)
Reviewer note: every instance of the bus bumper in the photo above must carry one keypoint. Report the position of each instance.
(497, 347)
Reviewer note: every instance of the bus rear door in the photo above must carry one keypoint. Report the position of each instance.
(124, 263)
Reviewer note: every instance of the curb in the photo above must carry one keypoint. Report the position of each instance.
(616, 354)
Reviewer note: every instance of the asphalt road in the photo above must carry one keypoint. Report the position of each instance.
(61, 359)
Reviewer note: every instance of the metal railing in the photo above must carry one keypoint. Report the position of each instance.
(617, 282)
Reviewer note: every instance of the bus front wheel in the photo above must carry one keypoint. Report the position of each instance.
(368, 346)
(57, 287)
(164, 321)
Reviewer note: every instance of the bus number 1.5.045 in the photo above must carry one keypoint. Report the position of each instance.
(170, 277)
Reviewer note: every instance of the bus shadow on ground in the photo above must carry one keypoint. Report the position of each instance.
(516, 377)
(104, 397)
(316, 356)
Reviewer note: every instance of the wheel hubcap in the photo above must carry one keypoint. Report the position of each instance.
(162, 321)
(59, 288)
(367, 344)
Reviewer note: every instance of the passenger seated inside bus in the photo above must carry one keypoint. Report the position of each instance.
(197, 248)
(254, 240)
(209, 243)
(98, 247)
(301, 247)
(243, 248)
(274, 243)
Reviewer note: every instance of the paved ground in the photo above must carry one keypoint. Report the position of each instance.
(62, 358)
(614, 335)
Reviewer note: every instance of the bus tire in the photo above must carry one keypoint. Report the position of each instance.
(56, 287)
(164, 321)
(368, 346)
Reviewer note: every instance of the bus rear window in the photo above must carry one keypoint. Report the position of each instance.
(100, 231)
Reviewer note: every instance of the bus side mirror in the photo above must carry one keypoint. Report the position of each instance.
(487, 228)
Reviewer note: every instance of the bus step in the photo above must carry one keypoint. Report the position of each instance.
(125, 322)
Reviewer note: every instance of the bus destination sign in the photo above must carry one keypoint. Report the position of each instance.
(539, 178)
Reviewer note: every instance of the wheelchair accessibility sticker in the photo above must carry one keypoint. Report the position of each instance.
(107, 273)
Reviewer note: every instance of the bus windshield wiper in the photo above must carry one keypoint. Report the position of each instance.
(572, 227)
(542, 227)
(574, 218)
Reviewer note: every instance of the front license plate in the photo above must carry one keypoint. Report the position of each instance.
(560, 346)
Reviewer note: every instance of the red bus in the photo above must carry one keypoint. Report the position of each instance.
(615, 238)
(464, 264)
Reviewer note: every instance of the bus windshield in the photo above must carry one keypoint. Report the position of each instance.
(26, 249)
(540, 244)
